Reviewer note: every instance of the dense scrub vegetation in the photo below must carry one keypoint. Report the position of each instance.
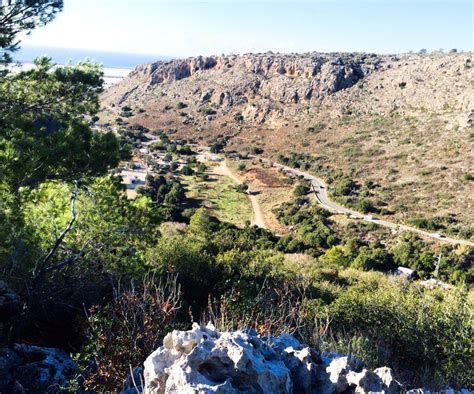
(315, 233)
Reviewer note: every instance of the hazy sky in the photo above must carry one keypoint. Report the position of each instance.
(192, 27)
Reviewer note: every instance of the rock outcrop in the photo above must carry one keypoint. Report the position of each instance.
(294, 86)
(207, 361)
(234, 81)
(281, 77)
(34, 369)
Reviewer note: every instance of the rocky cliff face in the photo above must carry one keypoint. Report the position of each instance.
(257, 87)
(287, 78)
(264, 88)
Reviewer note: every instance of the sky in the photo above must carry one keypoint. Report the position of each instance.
(179, 28)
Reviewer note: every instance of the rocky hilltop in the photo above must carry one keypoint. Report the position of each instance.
(403, 122)
(267, 85)
(256, 87)
(282, 78)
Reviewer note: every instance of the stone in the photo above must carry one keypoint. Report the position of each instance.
(380, 380)
(389, 382)
(338, 369)
(365, 382)
(27, 368)
(205, 360)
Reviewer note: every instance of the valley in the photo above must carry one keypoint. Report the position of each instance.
(393, 128)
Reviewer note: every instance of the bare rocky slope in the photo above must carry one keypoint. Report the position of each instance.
(403, 122)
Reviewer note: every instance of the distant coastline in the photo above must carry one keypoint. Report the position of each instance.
(109, 60)
(112, 75)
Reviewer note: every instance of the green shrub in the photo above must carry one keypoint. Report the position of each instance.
(469, 177)
(242, 188)
(408, 328)
(301, 189)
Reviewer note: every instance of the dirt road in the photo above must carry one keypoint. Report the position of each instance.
(257, 216)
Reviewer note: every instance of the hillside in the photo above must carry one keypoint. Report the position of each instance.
(399, 128)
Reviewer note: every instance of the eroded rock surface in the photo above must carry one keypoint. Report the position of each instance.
(34, 369)
(206, 361)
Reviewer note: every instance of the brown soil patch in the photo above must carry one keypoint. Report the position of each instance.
(261, 177)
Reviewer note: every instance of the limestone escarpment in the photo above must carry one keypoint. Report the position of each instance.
(272, 89)
(233, 80)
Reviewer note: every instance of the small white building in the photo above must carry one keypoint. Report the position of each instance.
(406, 272)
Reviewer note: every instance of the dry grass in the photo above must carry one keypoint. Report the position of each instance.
(272, 188)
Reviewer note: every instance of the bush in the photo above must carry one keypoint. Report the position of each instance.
(374, 257)
(242, 188)
(302, 189)
(424, 335)
(217, 147)
(207, 111)
(366, 206)
(469, 177)
(123, 333)
(186, 257)
(317, 127)
(344, 186)
(255, 150)
(187, 170)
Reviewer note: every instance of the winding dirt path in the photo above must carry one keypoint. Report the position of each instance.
(257, 215)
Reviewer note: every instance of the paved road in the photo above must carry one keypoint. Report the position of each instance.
(320, 191)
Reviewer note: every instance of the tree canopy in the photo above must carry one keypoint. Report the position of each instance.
(22, 16)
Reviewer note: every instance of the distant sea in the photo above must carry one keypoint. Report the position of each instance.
(107, 59)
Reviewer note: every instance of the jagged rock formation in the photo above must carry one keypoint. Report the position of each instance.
(207, 361)
(35, 369)
(277, 77)
(259, 86)
(267, 87)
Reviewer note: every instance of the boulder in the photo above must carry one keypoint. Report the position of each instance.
(338, 369)
(389, 383)
(205, 360)
(365, 382)
(35, 369)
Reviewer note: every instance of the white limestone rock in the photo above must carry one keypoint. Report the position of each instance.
(203, 360)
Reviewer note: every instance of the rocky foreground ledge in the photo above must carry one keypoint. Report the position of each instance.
(207, 361)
